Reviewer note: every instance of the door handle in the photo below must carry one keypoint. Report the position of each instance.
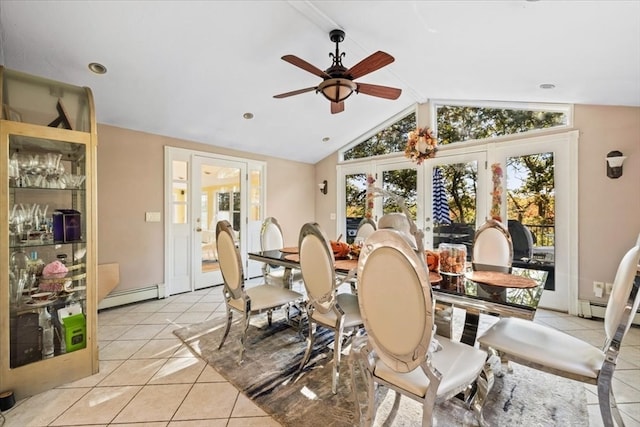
(198, 229)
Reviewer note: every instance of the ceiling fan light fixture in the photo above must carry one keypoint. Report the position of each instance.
(337, 90)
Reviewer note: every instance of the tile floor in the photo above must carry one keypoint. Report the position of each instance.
(148, 377)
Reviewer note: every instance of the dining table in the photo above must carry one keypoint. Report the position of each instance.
(513, 294)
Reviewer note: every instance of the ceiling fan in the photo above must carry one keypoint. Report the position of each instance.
(338, 81)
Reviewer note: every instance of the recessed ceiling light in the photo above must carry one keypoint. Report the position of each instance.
(326, 139)
(97, 68)
(547, 86)
(248, 116)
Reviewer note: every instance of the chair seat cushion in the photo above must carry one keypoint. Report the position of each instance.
(264, 297)
(349, 305)
(278, 275)
(544, 346)
(459, 364)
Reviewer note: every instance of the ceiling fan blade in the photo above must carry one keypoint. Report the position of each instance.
(292, 59)
(337, 107)
(370, 64)
(295, 92)
(379, 91)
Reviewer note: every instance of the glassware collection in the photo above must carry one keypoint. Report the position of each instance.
(41, 171)
(43, 294)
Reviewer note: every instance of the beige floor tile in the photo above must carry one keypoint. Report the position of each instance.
(633, 336)
(187, 298)
(158, 349)
(142, 332)
(244, 407)
(100, 405)
(112, 332)
(630, 355)
(167, 332)
(106, 367)
(208, 400)
(120, 350)
(154, 403)
(191, 317)
(133, 372)
(630, 414)
(206, 306)
(175, 307)
(164, 319)
(563, 323)
(210, 375)
(218, 422)
(630, 377)
(147, 424)
(43, 408)
(179, 370)
(151, 306)
(127, 318)
(253, 422)
(184, 351)
(213, 297)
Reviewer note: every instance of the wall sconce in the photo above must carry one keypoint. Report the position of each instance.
(615, 159)
(323, 187)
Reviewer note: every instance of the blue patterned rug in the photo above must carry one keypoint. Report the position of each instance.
(269, 376)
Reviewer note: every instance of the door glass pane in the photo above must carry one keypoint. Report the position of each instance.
(404, 183)
(179, 200)
(255, 179)
(454, 195)
(355, 202)
(531, 212)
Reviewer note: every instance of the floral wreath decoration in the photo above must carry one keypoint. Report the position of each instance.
(421, 145)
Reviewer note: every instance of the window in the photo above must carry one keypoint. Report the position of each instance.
(464, 122)
(391, 139)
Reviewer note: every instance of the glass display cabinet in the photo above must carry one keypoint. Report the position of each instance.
(48, 307)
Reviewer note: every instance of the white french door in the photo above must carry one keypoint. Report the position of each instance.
(219, 193)
(202, 189)
(467, 176)
(460, 194)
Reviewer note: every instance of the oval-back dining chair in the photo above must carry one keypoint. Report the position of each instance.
(544, 348)
(365, 228)
(325, 306)
(253, 300)
(492, 247)
(397, 308)
(271, 238)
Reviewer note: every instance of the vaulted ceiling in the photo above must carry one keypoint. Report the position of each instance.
(191, 69)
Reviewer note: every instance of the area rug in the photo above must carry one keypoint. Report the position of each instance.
(270, 377)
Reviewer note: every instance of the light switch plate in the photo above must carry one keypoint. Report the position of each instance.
(152, 217)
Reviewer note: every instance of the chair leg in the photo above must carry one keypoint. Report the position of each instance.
(337, 353)
(270, 317)
(227, 327)
(310, 339)
(606, 400)
(484, 383)
(243, 338)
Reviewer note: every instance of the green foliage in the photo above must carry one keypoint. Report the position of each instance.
(391, 139)
(458, 123)
(533, 202)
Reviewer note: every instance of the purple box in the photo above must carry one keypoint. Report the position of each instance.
(67, 226)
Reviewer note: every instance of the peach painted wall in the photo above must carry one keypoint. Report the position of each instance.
(131, 182)
(608, 209)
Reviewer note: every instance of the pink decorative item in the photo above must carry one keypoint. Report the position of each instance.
(54, 270)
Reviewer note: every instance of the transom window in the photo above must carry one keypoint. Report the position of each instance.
(459, 122)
